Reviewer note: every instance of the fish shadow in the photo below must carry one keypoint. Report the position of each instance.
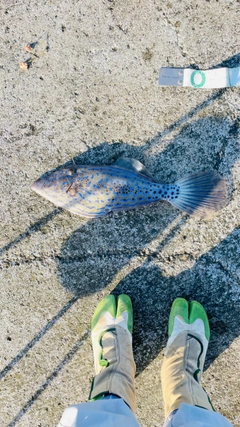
(96, 254)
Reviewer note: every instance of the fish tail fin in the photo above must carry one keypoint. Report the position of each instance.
(201, 194)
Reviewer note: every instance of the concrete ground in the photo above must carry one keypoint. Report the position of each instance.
(92, 95)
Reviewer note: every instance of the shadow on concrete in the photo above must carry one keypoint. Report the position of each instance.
(141, 225)
(151, 293)
(87, 264)
(93, 255)
(231, 62)
(49, 379)
(93, 156)
(213, 281)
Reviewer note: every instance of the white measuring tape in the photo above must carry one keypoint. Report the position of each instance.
(199, 79)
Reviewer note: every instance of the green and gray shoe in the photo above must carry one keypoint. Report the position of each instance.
(186, 349)
(111, 331)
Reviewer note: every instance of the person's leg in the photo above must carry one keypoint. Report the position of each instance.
(115, 369)
(112, 395)
(184, 358)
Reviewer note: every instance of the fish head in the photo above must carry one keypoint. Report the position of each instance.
(56, 186)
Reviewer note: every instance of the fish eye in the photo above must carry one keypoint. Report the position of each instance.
(70, 171)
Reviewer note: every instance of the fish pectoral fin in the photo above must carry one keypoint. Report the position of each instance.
(134, 165)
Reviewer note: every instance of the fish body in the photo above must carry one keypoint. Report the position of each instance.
(93, 191)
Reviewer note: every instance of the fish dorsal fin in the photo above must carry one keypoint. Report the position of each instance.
(134, 165)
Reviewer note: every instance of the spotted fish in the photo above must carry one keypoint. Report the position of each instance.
(93, 191)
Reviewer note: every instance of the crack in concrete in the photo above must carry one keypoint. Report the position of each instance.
(144, 254)
(128, 254)
(176, 34)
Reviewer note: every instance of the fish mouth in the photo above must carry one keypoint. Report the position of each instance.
(39, 186)
(35, 186)
(45, 190)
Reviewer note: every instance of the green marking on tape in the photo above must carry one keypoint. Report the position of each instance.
(192, 79)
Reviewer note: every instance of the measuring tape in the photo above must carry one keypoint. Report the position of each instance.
(199, 79)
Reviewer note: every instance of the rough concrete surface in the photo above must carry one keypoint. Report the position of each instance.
(92, 95)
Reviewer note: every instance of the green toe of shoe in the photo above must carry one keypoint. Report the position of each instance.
(179, 308)
(189, 313)
(107, 304)
(124, 303)
(196, 311)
